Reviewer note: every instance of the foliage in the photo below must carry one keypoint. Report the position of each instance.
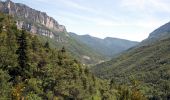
(149, 65)
(23, 69)
(32, 70)
(105, 46)
(5, 86)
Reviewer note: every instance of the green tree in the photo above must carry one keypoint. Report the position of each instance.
(5, 86)
(22, 56)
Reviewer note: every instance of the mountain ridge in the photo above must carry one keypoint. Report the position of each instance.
(108, 46)
(158, 34)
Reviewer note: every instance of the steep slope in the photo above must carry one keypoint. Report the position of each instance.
(39, 23)
(32, 20)
(109, 47)
(148, 64)
(163, 30)
(159, 34)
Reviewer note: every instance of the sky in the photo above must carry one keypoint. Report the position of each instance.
(126, 19)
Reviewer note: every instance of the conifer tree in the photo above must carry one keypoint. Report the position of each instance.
(22, 55)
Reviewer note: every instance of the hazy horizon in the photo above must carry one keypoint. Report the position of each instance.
(125, 19)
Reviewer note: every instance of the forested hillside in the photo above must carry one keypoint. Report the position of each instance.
(32, 70)
(149, 65)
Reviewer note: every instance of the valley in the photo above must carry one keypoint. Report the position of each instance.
(41, 60)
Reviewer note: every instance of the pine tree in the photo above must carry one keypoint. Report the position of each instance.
(22, 56)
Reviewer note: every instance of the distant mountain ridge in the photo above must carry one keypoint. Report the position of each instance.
(108, 47)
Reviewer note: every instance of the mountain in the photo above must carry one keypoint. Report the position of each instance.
(148, 64)
(89, 50)
(162, 31)
(32, 70)
(32, 20)
(159, 34)
(108, 47)
(48, 29)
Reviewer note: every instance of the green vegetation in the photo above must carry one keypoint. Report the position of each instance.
(32, 70)
(149, 65)
(37, 22)
(105, 47)
(76, 48)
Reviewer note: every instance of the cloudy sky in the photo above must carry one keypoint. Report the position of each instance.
(127, 19)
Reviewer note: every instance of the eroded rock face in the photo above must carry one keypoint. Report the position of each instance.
(32, 20)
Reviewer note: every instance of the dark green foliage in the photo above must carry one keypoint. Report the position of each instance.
(32, 70)
(149, 65)
(24, 68)
(5, 86)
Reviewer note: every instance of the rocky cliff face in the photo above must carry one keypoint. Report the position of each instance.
(32, 20)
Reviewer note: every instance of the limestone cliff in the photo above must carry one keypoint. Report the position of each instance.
(32, 20)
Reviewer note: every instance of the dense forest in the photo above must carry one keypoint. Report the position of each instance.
(32, 70)
(149, 65)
